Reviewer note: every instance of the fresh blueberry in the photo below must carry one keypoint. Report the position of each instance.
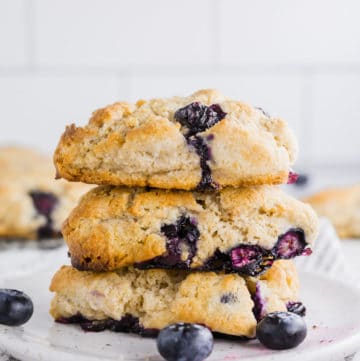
(16, 307)
(197, 117)
(185, 342)
(281, 330)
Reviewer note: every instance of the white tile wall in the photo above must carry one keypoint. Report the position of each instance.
(36, 108)
(12, 32)
(336, 117)
(122, 32)
(295, 32)
(61, 59)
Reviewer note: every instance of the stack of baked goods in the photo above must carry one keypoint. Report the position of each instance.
(187, 223)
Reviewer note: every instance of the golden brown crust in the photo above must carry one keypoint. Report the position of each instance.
(159, 297)
(342, 207)
(113, 227)
(142, 145)
(24, 170)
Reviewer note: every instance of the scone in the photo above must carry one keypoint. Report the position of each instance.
(203, 141)
(144, 302)
(238, 230)
(33, 205)
(342, 207)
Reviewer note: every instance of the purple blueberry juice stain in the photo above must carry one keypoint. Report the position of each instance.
(204, 152)
(259, 303)
(196, 118)
(296, 307)
(127, 323)
(183, 232)
(45, 203)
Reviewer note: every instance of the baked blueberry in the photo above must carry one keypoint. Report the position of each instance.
(293, 177)
(44, 202)
(302, 180)
(185, 342)
(281, 330)
(291, 244)
(296, 307)
(16, 307)
(251, 260)
(197, 117)
(183, 233)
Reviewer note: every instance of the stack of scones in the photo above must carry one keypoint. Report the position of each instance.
(187, 223)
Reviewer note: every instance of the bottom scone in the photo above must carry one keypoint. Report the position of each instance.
(131, 300)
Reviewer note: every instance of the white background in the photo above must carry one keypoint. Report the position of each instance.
(61, 59)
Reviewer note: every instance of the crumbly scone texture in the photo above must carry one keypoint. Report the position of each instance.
(342, 207)
(113, 227)
(277, 287)
(143, 145)
(24, 170)
(161, 297)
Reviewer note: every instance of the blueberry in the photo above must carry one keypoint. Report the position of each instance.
(197, 117)
(251, 260)
(296, 307)
(292, 178)
(281, 330)
(185, 342)
(44, 202)
(16, 307)
(291, 244)
(184, 231)
(302, 180)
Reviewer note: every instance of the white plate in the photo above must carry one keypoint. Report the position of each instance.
(333, 330)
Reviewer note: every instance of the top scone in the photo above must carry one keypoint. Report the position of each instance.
(204, 141)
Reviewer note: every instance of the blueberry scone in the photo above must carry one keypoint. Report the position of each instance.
(130, 300)
(237, 230)
(342, 207)
(203, 141)
(33, 204)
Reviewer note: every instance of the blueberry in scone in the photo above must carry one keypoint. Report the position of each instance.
(204, 141)
(240, 230)
(33, 204)
(144, 302)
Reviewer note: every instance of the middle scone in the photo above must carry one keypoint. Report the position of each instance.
(240, 230)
